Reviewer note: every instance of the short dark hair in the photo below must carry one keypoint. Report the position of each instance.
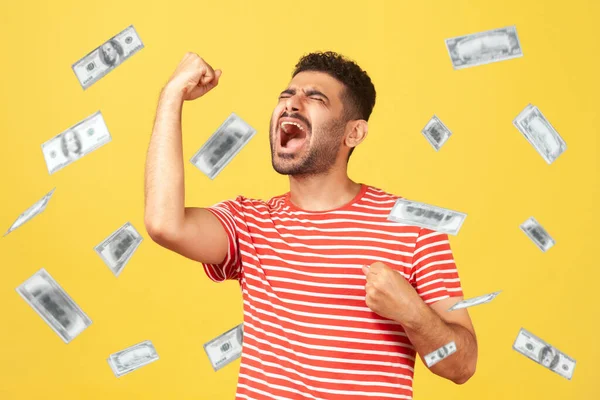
(359, 94)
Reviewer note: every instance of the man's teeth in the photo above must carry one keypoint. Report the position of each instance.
(284, 123)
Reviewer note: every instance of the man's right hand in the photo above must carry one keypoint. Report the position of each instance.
(193, 77)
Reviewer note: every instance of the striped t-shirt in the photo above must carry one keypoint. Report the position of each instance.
(308, 333)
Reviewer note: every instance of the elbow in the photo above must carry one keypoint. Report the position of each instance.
(462, 379)
(465, 376)
(159, 232)
(469, 368)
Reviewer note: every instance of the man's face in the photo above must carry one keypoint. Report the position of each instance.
(71, 142)
(109, 51)
(312, 100)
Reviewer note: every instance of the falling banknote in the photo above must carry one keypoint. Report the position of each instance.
(436, 132)
(132, 358)
(438, 355)
(542, 353)
(117, 249)
(225, 348)
(538, 131)
(537, 234)
(475, 301)
(484, 47)
(107, 57)
(427, 216)
(54, 305)
(223, 145)
(75, 142)
(31, 212)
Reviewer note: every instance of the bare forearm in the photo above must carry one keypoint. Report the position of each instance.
(164, 181)
(430, 332)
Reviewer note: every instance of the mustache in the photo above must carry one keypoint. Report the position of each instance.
(298, 117)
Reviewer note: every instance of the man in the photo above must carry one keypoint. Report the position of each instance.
(337, 299)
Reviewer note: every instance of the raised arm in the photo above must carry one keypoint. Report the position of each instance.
(192, 232)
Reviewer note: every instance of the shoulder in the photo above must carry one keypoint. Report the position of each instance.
(377, 195)
(245, 204)
(381, 202)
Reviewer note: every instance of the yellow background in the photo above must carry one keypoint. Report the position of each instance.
(486, 169)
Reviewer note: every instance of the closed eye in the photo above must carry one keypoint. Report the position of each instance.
(314, 98)
(313, 94)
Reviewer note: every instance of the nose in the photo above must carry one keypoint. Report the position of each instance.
(292, 104)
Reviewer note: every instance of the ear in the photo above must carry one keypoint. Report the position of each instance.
(358, 133)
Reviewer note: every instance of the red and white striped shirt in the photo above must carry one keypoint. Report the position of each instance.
(308, 333)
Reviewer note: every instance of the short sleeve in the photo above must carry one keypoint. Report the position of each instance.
(433, 273)
(226, 212)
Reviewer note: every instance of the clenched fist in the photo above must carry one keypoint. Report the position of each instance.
(390, 295)
(193, 77)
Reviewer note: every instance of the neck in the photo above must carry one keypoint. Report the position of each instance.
(322, 192)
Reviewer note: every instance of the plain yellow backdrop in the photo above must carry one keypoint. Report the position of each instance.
(487, 169)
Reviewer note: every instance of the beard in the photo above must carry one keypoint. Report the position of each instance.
(315, 157)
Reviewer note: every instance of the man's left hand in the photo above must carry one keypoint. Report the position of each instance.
(389, 294)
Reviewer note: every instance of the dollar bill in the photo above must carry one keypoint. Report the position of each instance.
(540, 237)
(427, 216)
(475, 301)
(107, 57)
(74, 143)
(484, 47)
(436, 132)
(31, 212)
(538, 131)
(225, 348)
(132, 358)
(54, 305)
(117, 249)
(438, 355)
(223, 145)
(544, 354)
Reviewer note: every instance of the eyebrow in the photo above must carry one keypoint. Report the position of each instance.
(308, 92)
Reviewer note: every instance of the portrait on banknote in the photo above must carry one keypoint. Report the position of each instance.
(224, 146)
(442, 352)
(423, 215)
(56, 306)
(548, 357)
(436, 133)
(538, 234)
(70, 143)
(111, 53)
(120, 244)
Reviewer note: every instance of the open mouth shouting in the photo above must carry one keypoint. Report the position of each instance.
(292, 134)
